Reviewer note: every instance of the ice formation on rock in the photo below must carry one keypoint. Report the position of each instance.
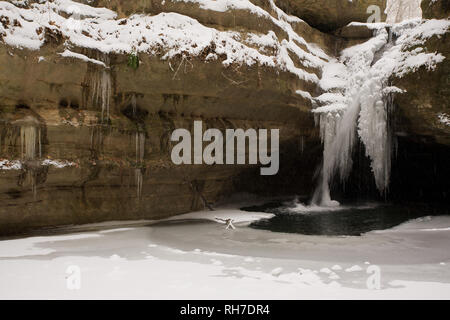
(30, 138)
(30, 141)
(359, 99)
(102, 87)
(140, 151)
(400, 10)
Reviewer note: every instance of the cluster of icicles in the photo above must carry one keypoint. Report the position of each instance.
(31, 146)
(30, 140)
(102, 86)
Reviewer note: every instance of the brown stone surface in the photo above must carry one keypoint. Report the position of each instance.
(113, 179)
(103, 185)
(435, 9)
(427, 96)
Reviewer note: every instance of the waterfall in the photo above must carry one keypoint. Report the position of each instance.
(358, 101)
(399, 10)
(337, 130)
(357, 107)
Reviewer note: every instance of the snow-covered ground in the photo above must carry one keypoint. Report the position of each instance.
(194, 257)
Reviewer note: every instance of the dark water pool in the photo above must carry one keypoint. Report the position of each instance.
(348, 220)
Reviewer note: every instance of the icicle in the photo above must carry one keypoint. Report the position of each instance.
(105, 85)
(31, 147)
(338, 137)
(101, 93)
(140, 152)
(139, 179)
(137, 146)
(28, 136)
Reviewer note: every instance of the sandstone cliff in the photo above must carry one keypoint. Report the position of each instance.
(85, 135)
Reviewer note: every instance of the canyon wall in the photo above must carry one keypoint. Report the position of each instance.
(85, 135)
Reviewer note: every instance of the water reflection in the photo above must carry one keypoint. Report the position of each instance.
(343, 221)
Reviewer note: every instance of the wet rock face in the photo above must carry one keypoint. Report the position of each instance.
(435, 9)
(81, 143)
(422, 111)
(109, 135)
(328, 15)
(422, 124)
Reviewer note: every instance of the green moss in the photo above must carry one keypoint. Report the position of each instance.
(133, 61)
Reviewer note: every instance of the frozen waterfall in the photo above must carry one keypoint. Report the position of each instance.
(399, 10)
(358, 100)
(355, 106)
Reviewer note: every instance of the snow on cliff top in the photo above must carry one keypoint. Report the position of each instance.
(170, 34)
(165, 34)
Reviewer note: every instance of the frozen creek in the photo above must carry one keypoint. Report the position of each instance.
(193, 257)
